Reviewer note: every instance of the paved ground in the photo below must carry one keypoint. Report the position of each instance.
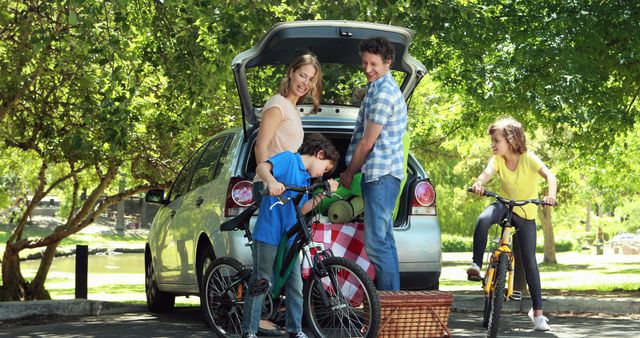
(188, 322)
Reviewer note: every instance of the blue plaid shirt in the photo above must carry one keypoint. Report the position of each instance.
(384, 104)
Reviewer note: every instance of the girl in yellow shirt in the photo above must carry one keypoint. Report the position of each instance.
(518, 171)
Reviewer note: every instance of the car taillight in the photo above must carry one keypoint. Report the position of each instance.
(239, 196)
(424, 199)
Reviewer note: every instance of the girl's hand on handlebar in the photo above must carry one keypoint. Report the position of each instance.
(275, 188)
(477, 188)
(549, 200)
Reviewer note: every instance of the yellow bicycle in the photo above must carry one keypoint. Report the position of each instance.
(501, 266)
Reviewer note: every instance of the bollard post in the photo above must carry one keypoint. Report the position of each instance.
(82, 263)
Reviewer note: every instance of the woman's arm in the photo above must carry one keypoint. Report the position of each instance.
(271, 118)
(553, 184)
(263, 170)
(478, 185)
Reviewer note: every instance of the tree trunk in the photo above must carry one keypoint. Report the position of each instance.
(13, 284)
(547, 230)
(587, 227)
(36, 288)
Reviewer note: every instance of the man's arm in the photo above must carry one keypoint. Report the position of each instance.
(363, 148)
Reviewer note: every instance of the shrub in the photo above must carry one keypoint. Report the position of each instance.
(563, 245)
(454, 243)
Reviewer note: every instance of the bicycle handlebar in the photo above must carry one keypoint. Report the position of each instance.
(301, 190)
(516, 203)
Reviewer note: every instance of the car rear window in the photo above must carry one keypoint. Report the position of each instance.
(339, 140)
(340, 86)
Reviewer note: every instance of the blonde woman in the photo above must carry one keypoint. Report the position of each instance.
(281, 127)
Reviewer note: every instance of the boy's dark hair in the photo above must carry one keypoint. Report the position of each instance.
(314, 142)
(379, 46)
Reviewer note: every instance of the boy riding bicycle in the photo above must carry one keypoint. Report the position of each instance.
(317, 156)
(518, 171)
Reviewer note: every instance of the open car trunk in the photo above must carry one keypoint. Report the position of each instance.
(341, 141)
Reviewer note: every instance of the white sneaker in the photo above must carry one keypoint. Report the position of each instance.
(539, 322)
(473, 272)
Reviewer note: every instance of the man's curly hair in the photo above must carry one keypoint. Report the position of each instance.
(378, 46)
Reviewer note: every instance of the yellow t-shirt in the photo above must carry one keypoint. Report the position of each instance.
(520, 184)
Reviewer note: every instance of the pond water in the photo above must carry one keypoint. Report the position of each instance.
(129, 263)
(114, 276)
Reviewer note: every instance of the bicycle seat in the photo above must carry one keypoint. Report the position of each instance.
(239, 222)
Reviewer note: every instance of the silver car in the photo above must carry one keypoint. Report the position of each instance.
(215, 183)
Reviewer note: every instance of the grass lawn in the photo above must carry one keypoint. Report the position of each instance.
(574, 271)
(121, 277)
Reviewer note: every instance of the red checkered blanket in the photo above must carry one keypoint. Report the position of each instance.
(344, 240)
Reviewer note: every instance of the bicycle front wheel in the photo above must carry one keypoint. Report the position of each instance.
(487, 309)
(354, 306)
(222, 297)
(498, 295)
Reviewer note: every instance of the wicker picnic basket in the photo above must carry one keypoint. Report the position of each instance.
(415, 313)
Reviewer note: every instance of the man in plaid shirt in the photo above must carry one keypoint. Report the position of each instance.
(376, 149)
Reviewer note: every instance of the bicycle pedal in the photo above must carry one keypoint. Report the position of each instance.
(474, 278)
(517, 295)
(245, 274)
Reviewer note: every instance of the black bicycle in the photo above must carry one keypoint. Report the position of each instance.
(340, 300)
(501, 264)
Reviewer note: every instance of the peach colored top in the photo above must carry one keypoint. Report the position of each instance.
(289, 134)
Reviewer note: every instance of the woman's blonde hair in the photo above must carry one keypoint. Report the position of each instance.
(316, 90)
(513, 133)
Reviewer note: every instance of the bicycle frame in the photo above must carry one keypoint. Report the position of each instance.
(338, 295)
(504, 248)
(284, 257)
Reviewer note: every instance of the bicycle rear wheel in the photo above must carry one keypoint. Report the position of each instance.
(497, 296)
(222, 295)
(354, 309)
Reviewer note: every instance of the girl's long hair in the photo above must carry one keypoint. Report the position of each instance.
(513, 132)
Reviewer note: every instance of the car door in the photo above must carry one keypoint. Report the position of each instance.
(197, 207)
(165, 246)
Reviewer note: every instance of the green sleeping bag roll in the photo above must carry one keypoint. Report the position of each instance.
(341, 194)
(340, 212)
(358, 205)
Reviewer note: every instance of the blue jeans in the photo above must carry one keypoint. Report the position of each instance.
(264, 256)
(379, 201)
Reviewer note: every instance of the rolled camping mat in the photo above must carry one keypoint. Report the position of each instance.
(340, 212)
(357, 204)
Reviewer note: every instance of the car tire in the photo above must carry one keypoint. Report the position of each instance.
(205, 259)
(157, 301)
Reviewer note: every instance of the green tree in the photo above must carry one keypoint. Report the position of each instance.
(84, 101)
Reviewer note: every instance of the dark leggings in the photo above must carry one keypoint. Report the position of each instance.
(526, 237)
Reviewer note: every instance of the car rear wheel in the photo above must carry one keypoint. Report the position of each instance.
(157, 301)
(205, 259)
